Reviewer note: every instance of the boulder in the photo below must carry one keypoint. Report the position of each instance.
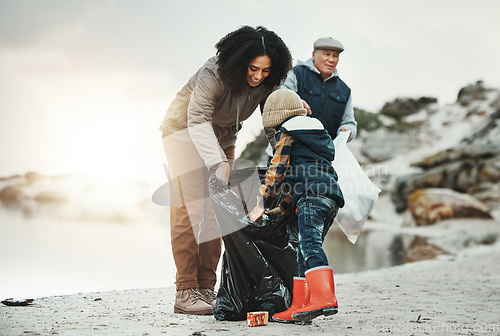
(11, 194)
(430, 205)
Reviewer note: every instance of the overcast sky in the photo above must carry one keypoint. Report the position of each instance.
(84, 85)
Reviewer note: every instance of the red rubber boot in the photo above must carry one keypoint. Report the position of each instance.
(322, 299)
(299, 300)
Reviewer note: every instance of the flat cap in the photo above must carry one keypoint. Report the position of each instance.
(328, 43)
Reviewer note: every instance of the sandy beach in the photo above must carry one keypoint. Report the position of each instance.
(453, 294)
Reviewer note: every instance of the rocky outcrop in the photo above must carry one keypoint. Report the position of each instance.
(472, 92)
(402, 107)
(428, 206)
(383, 145)
(473, 169)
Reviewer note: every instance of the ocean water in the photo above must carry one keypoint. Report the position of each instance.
(44, 256)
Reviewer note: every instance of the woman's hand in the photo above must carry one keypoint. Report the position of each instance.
(256, 213)
(276, 212)
(222, 171)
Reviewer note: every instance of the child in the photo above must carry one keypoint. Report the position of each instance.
(302, 159)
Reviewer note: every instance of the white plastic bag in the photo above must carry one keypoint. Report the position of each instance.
(360, 193)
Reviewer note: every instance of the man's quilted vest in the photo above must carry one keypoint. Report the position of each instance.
(327, 99)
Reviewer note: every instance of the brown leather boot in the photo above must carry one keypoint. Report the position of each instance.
(190, 301)
(209, 296)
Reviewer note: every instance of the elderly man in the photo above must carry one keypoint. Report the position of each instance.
(317, 82)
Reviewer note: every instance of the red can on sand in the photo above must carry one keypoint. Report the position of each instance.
(259, 318)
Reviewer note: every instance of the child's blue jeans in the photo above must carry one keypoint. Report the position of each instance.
(316, 215)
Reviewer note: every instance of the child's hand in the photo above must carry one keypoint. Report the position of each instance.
(306, 106)
(256, 212)
(276, 212)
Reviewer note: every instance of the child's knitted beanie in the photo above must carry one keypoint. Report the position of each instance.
(281, 104)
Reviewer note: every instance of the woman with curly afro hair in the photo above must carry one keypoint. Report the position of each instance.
(199, 136)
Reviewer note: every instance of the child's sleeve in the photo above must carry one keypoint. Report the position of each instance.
(278, 167)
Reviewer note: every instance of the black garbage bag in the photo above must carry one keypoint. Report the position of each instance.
(259, 260)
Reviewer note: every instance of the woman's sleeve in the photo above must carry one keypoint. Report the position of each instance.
(199, 117)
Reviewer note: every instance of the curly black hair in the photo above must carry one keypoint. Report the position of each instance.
(238, 48)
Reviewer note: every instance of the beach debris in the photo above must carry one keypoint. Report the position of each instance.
(421, 320)
(18, 303)
(259, 318)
